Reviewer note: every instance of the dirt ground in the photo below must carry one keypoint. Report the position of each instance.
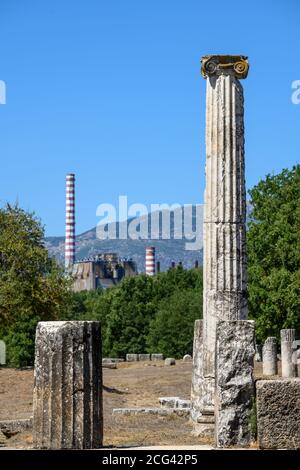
(130, 385)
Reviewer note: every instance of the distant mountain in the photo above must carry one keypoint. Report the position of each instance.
(167, 250)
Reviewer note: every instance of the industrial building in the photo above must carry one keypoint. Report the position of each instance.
(101, 272)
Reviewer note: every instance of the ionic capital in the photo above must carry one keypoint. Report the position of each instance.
(236, 65)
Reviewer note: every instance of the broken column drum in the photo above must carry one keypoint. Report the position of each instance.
(67, 402)
(234, 398)
(288, 353)
(270, 356)
(224, 249)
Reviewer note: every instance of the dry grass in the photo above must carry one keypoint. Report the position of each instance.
(130, 385)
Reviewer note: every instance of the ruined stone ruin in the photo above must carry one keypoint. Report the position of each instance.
(278, 412)
(288, 353)
(2, 353)
(225, 400)
(270, 366)
(224, 266)
(223, 390)
(67, 402)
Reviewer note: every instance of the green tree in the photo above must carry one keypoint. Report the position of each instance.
(171, 330)
(128, 311)
(92, 305)
(273, 244)
(32, 286)
(131, 310)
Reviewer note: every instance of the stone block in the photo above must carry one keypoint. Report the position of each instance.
(14, 426)
(157, 357)
(278, 413)
(170, 361)
(174, 402)
(109, 365)
(67, 401)
(144, 357)
(187, 358)
(235, 349)
(113, 360)
(168, 402)
(183, 403)
(132, 357)
(183, 412)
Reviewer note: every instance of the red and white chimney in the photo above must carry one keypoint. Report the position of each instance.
(70, 222)
(150, 260)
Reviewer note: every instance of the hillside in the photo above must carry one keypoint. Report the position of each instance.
(167, 250)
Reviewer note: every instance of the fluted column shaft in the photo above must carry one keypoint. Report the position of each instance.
(288, 353)
(67, 403)
(224, 257)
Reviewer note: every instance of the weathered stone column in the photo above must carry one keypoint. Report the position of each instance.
(197, 370)
(2, 353)
(288, 353)
(270, 356)
(235, 349)
(67, 403)
(224, 259)
(258, 352)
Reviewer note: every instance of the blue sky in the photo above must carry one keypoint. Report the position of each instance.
(111, 90)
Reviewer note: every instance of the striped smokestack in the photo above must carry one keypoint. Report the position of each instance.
(70, 221)
(150, 260)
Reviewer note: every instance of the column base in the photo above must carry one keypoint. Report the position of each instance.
(205, 425)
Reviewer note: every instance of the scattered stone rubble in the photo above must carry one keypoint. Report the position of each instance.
(170, 361)
(187, 358)
(144, 357)
(168, 406)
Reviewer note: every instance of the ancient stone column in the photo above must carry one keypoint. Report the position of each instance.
(224, 255)
(197, 370)
(288, 353)
(258, 353)
(234, 400)
(270, 356)
(2, 353)
(67, 403)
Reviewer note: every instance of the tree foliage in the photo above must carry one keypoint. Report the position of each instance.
(32, 286)
(146, 314)
(171, 330)
(273, 244)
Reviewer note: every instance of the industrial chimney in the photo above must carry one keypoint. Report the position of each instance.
(150, 260)
(158, 267)
(70, 222)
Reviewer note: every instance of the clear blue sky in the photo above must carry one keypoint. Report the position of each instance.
(111, 90)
